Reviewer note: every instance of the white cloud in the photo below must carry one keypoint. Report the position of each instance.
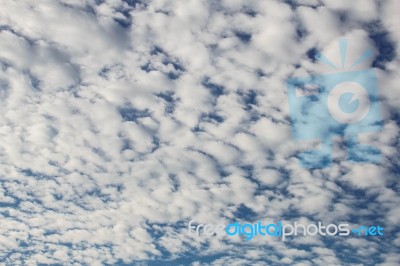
(122, 120)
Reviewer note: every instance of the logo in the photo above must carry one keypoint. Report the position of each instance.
(282, 229)
(341, 104)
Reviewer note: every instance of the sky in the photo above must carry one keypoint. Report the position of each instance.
(123, 120)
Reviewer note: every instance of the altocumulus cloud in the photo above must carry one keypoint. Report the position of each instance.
(123, 120)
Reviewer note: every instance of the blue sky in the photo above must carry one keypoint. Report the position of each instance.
(124, 120)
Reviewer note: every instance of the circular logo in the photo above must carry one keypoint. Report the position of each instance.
(348, 102)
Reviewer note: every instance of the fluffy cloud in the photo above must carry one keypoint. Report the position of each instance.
(123, 120)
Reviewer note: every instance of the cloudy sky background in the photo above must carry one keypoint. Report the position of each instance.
(123, 120)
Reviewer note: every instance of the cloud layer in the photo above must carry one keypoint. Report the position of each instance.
(123, 120)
